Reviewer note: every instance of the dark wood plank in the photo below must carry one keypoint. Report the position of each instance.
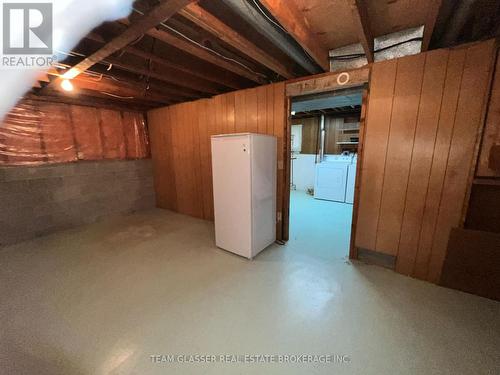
(362, 23)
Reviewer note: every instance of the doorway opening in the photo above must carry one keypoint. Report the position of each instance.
(324, 144)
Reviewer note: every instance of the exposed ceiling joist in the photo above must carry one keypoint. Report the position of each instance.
(207, 75)
(430, 23)
(210, 23)
(128, 78)
(193, 90)
(296, 24)
(118, 87)
(362, 23)
(160, 13)
(123, 89)
(54, 96)
(181, 79)
(204, 54)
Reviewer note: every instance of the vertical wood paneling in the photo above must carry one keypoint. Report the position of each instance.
(421, 140)
(197, 164)
(211, 124)
(492, 127)
(180, 159)
(353, 250)
(270, 109)
(239, 111)
(181, 143)
(231, 126)
(440, 158)
(469, 114)
(399, 150)
(423, 150)
(383, 78)
(421, 127)
(163, 161)
(204, 156)
(279, 126)
(251, 111)
(262, 110)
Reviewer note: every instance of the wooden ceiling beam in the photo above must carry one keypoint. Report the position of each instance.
(295, 23)
(191, 89)
(179, 74)
(54, 96)
(204, 54)
(362, 24)
(430, 23)
(128, 77)
(160, 13)
(213, 25)
(208, 75)
(109, 86)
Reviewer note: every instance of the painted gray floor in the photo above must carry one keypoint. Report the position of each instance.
(103, 298)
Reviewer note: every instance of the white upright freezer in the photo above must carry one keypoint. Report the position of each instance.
(244, 184)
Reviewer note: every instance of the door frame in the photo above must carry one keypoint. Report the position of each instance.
(321, 83)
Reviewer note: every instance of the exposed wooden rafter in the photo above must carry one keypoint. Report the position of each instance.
(169, 65)
(213, 25)
(54, 96)
(295, 23)
(180, 79)
(430, 23)
(123, 89)
(160, 13)
(362, 23)
(205, 55)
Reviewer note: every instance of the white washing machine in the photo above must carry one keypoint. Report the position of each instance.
(333, 181)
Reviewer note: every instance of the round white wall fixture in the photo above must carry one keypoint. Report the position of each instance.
(343, 78)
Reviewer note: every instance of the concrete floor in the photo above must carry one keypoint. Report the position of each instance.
(325, 224)
(103, 298)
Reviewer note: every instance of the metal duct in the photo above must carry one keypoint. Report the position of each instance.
(322, 138)
(262, 25)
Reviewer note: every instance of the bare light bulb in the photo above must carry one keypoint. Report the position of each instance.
(66, 85)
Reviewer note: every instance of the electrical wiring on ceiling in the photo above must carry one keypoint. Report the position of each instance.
(204, 47)
(99, 76)
(117, 96)
(269, 18)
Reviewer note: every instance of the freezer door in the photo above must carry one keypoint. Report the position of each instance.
(231, 171)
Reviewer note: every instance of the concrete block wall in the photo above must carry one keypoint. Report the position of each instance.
(39, 200)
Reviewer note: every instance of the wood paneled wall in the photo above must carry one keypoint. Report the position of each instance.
(490, 148)
(180, 144)
(422, 124)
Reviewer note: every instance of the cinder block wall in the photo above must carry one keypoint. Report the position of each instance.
(39, 200)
